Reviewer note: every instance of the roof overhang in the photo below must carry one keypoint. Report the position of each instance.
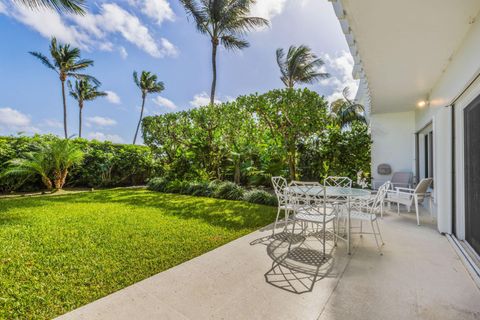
(401, 48)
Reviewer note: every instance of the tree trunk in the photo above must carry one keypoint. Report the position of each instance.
(291, 163)
(46, 181)
(140, 120)
(60, 176)
(80, 105)
(214, 70)
(64, 108)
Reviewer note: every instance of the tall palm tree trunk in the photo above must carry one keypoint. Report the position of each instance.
(80, 106)
(214, 71)
(64, 109)
(140, 120)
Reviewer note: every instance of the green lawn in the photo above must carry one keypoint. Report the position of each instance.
(60, 252)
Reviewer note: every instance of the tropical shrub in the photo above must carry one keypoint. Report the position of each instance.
(51, 162)
(255, 137)
(229, 191)
(104, 164)
(260, 197)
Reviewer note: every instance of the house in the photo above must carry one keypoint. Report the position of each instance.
(418, 63)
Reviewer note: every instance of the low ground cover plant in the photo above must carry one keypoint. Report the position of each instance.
(215, 189)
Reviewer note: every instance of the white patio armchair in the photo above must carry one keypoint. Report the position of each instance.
(279, 185)
(367, 211)
(411, 197)
(309, 205)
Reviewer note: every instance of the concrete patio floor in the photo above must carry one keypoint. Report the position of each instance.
(418, 277)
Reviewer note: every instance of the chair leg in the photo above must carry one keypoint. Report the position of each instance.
(292, 236)
(398, 208)
(334, 233)
(361, 229)
(376, 240)
(416, 209)
(276, 220)
(287, 216)
(324, 238)
(379, 233)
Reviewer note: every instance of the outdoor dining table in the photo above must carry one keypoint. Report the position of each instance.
(338, 194)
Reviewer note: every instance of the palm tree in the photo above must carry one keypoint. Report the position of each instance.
(224, 21)
(346, 111)
(64, 154)
(83, 91)
(66, 63)
(68, 6)
(300, 65)
(148, 84)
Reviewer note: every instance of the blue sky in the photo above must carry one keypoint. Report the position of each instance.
(153, 35)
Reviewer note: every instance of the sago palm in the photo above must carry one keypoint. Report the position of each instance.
(224, 21)
(346, 111)
(31, 164)
(51, 162)
(300, 65)
(66, 63)
(147, 83)
(67, 6)
(84, 90)
(64, 155)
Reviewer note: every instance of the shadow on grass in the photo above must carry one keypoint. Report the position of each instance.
(234, 215)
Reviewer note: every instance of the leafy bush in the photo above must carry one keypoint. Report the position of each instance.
(201, 189)
(260, 197)
(158, 184)
(229, 191)
(258, 136)
(178, 186)
(105, 164)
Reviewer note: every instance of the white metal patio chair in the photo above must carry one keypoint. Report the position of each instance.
(309, 203)
(399, 179)
(367, 211)
(343, 182)
(279, 185)
(409, 197)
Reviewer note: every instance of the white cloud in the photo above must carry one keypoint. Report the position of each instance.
(123, 52)
(101, 121)
(94, 30)
(50, 24)
(53, 123)
(164, 102)
(12, 119)
(112, 97)
(340, 68)
(168, 49)
(159, 10)
(100, 136)
(267, 8)
(201, 99)
(3, 8)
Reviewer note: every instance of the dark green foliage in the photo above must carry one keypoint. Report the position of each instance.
(255, 137)
(260, 197)
(105, 164)
(158, 184)
(229, 191)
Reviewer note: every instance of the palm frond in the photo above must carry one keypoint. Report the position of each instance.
(46, 62)
(67, 6)
(230, 42)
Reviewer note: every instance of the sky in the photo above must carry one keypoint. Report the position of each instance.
(157, 36)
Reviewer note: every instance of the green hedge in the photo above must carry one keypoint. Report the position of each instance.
(105, 164)
(215, 189)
